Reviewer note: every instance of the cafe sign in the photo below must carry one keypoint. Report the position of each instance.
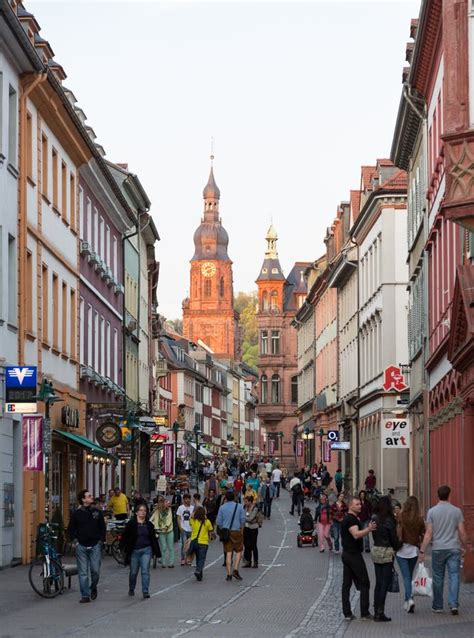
(109, 434)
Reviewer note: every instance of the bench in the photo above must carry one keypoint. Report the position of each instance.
(69, 571)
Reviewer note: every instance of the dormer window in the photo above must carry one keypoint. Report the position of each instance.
(264, 271)
(275, 271)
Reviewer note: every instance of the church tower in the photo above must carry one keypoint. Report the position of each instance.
(208, 313)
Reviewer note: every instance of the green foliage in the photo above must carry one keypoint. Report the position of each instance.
(246, 306)
(176, 325)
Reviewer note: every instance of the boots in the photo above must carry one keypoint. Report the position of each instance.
(379, 615)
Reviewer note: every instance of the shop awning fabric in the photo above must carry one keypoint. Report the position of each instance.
(83, 442)
(202, 450)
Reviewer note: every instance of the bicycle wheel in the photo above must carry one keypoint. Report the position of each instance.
(117, 552)
(47, 583)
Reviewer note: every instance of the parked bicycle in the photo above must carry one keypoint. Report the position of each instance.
(112, 543)
(46, 573)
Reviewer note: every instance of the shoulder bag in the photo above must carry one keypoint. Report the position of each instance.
(190, 546)
(224, 532)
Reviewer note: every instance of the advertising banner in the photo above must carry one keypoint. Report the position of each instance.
(33, 443)
(299, 447)
(326, 451)
(168, 455)
(20, 389)
(271, 447)
(395, 434)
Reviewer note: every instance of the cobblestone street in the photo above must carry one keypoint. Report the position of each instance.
(296, 592)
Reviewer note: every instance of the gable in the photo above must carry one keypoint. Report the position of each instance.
(461, 338)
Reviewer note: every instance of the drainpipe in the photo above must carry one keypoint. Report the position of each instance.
(27, 86)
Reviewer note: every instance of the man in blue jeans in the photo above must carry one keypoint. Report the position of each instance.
(445, 530)
(87, 525)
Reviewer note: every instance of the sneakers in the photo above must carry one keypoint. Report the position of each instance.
(454, 611)
(93, 593)
(85, 599)
(131, 592)
(411, 606)
(349, 617)
(236, 575)
(146, 595)
(405, 605)
(183, 562)
(436, 611)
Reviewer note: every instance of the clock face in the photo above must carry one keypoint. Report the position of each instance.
(208, 269)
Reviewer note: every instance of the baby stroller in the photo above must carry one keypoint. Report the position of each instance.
(306, 534)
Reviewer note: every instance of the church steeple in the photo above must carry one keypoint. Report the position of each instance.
(271, 269)
(272, 238)
(211, 239)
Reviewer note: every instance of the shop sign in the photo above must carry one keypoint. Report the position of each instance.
(299, 447)
(20, 389)
(33, 443)
(271, 447)
(340, 445)
(161, 419)
(161, 484)
(168, 455)
(396, 434)
(393, 379)
(333, 435)
(70, 417)
(326, 451)
(109, 434)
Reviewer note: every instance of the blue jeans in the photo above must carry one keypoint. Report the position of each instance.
(140, 559)
(277, 485)
(365, 524)
(200, 557)
(407, 567)
(440, 559)
(336, 534)
(184, 537)
(88, 560)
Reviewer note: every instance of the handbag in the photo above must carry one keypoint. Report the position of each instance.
(394, 586)
(422, 584)
(224, 532)
(382, 554)
(190, 546)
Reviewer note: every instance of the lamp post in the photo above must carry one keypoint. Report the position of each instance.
(306, 438)
(280, 446)
(132, 424)
(48, 396)
(321, 434)
(175, 429)
(197, 432)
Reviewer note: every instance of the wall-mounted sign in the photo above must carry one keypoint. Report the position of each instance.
(326, 451)
(393, 379)
(20, 388)
(109, 434)
(161, 419)
(33, 443)
(70, 417)
(168, 455)
(161, 484)
(299, 447)
(333, 435)
(395, 434)
(271, 446)
(341, 445)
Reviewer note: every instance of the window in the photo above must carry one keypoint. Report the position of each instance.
(81, 214)
(207, 287)
(265, 301)
(96, 230)
(96, 341)
(101, 237)
(29, 145)
(276, 389)
(72, 348)
(107, 246)
(198, 392)
(29, 292)
(89, 335)
(274, 300)
(102, 346)
(221, 287)
(116, 354)
(88, 232)
(63, 190)
(114, 257)
(55, 177)
(264, 342)
(294, 390)
(45, 303)
(275, 342)
(264, 388)
(44, 165)
(55, 310)
(108, 354)
(81, 331)
(12, 279)
(72, 201)
(64, 319)
(12, 126)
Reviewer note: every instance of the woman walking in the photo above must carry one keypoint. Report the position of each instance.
(364, 516)
(139, 544)
(201, 527)
(162, 518)
(322, 517)
(411, 529)
(250, 533)
(386, 543)
(338, 511)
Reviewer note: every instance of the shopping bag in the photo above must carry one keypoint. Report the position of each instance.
(422, 584)
(394, 586)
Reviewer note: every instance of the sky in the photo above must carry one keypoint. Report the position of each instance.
(296, 96)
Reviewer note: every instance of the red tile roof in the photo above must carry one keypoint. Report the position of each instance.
(355, 204)
(398, 181)
(367, 173)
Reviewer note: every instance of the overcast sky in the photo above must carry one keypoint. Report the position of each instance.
(296, 95)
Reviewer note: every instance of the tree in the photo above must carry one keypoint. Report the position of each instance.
(176, 325)
(246, 306)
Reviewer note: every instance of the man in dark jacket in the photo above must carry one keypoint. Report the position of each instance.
(87, 525)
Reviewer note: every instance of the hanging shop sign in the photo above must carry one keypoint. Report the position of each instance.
(20, 389)
(299, 447)
(396, 434)
(326, 451)
(70, 417)
(271, 447)
(109, 434)
(393, 379)
(33, 443)
(168, 456)
(161, 484)
(333, 435)
(340, 445)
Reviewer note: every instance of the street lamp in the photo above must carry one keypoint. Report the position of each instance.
(321, 434)
(175, 429)
(280, 447)
(48, 396)
(197, 432)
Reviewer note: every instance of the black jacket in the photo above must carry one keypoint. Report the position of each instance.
(129, 538)
(386, 533)
(318, 510)
(87, 524)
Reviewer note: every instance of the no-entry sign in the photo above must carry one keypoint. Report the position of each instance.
(395, 434)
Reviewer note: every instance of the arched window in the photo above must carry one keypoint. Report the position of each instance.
(274, 300)
(207, 287)
(264, 388)
(221, 286)
(264, 342)
(265, 301)
(276, 389)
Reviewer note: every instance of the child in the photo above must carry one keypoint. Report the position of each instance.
(306, 521)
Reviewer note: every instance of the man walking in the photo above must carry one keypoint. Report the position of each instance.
(276, 480)
(445, 530)
(183, 515)
(119, 505)
(297, 495)
(87, 525)
(267, 494)
(231, 517)
(354, 569)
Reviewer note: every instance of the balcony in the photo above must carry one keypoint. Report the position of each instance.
(161, 368)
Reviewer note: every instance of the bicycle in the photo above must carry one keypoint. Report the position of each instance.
(46, 574)
(112, 544)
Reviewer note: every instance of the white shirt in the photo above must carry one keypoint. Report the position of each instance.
(408, 551)
(268, 467)
(276, 475)
(294, 481)
(184, 513)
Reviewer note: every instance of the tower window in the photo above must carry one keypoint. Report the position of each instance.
(221, 286)
(274, 300)
(276, 389)
(265, 301)
(294, 389)
(275, 342)
(264, 388)
(207, 287)
(264, 342)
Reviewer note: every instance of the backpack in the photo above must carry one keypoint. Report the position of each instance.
(259, 518)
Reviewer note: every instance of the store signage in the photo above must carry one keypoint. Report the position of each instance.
(341, 445)
(70, 417)
(161, 419)
(168, 456)
(396, 434)
(393, 379)
(161, 484)
(326, 451)
(333, 435)
(33, 443)
(109, 434)
(299, 447)
(20, 389)
(271, 446)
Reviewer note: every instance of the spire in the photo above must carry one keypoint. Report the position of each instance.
(272, 238)
(211, 191)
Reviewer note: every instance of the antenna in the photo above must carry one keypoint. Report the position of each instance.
(212, 149)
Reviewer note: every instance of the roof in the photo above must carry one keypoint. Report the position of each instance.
(355, 204)
(271, 271)
(295, 283)
(367, 172)
(211, 190)
(399, 181)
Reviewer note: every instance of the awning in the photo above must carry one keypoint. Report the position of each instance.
(202, 450)
(83, 442)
